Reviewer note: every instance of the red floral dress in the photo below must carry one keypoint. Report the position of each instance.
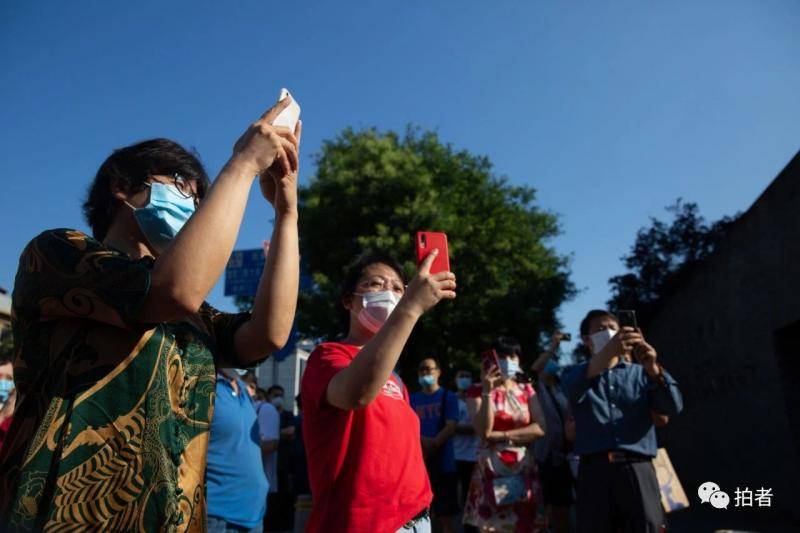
(502, 466)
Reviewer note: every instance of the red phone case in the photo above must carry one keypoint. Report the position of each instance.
(426, 241)
(489, 359)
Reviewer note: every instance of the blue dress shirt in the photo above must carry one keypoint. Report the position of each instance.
(612, 410)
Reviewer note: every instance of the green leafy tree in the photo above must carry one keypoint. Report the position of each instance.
(373, 190)
(662, 256)
(6, 343)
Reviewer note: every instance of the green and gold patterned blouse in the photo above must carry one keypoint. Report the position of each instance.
(111, 426)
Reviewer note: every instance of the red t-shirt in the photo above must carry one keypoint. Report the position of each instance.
(365, 465)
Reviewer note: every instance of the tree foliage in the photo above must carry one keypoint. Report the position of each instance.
(373, 190)
(662, 256)
(6, 343)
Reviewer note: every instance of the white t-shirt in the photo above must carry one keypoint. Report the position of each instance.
(269, 428)
(465, 447)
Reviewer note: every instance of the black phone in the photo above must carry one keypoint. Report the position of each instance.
(566, 337)
(627, 318)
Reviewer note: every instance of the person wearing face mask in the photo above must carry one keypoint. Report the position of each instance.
(362, 437)
(613, 397)
(465, 442)
(437, 409)
(8, 396)
(236, 487)
(504, 493)
(116, 350)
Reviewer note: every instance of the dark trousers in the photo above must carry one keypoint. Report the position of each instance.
(464, 470)
(620, 496)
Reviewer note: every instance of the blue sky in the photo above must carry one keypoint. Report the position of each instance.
(611, 110)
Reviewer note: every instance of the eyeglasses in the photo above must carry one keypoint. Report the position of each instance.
(379, 283)
(183, 185)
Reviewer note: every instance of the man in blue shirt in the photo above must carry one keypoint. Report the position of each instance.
(612, 397)
(235, 480)
(437, 410)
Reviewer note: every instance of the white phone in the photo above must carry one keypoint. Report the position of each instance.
(289, 116)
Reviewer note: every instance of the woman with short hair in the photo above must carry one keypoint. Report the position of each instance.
(362, 437)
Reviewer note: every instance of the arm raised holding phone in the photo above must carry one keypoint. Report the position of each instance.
(188, 268)
(357, 385)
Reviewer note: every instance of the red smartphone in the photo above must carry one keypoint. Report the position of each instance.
(489, 360)
(426, 242)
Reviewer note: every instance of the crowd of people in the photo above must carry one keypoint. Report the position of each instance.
(128, 405)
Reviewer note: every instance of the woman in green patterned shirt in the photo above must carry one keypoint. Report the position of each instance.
(115, 348)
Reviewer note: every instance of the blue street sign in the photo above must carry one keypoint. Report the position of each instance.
(243, 272)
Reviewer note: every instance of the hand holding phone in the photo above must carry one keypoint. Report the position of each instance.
(289, 116)
(426, 242)
(627, 319)
(489, 360)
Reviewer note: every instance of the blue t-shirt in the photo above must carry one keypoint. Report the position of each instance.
(431, 420)
(236, 486)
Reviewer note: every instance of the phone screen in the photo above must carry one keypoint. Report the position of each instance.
(289, 116)
(627, 319)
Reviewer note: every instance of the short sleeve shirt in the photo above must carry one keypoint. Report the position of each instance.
(112, 421)
(235, 483)
(365, 465)
(269, 428)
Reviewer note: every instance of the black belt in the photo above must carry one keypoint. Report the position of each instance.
(422, 515)
(615, 456)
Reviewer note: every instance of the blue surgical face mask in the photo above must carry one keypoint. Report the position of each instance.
(277, 401)
(164, 216)
(241, 371)
(427, 381)
(463, 383)
(509, 367)
(6, 386)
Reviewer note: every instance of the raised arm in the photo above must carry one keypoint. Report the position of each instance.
(186, 271)
(276, 298)
(481, 410)
(545, 356)
(357, 385)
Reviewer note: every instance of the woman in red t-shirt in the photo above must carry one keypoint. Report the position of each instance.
(362, 437)
(504, 493)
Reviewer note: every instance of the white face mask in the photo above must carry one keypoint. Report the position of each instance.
(376, 308)
(600, 339)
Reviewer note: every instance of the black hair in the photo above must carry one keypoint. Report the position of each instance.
(595, 313)
(507, 346)
(274, 388)
(356, 269)
(250, 379)
(129, 168)
(5, 360)
(432, 358)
